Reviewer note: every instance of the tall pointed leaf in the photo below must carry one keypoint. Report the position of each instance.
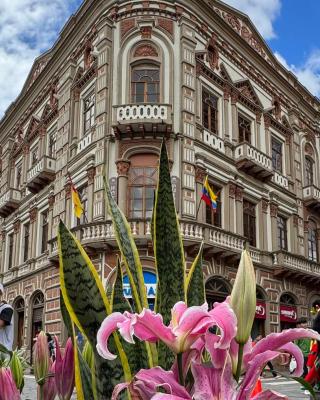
(195, 291)
(168, 249)
(119, 302)
(129, 252)
(88, 306)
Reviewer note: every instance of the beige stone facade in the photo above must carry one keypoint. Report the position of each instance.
(123, 75)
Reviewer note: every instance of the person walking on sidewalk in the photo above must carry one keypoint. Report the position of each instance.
(6, 322)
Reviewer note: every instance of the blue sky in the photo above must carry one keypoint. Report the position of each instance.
(29, 27)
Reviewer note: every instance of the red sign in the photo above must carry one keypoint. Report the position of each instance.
(288, 314)
(261, 312)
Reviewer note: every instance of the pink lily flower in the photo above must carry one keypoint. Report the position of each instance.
(49, 388)
(8, 389)
(186, 326)
(64, 370)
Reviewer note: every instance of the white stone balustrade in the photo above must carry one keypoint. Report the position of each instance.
(296, 262)
(134, 112)
(225, 239)
(213, 141)
(280, 180)
(246, 151)
(84, 142)
(311, 193)
(46, 163)
(191, 231)
(9, 196)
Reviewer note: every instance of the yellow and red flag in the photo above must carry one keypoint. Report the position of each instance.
(77, 205)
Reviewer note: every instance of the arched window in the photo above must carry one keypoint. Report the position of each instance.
(260, 294)
(37, 306)
(287, 299)
(309, 171)
(312, 241)
(145, 84)
(143, 176)
(209, 111)
(217, 289)
(18, 307)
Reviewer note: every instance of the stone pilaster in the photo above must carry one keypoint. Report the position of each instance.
(123, 167)
(263, 207)
(239, 210)
(234, 117)
(230, 211)
(91, 172)
(267, 122)
(16, 242)
(274, 226)
(33, 215)
(258, 129)
(200, 176)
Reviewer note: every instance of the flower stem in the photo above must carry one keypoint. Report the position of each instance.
(180, 369)
(240, 356)
(41, 392)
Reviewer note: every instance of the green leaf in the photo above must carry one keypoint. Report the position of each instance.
(168, 249)
(195, 283)
(119, 302)
(66, 318)
(129, 252)
(88, 306)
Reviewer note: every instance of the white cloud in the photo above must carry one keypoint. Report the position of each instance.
(27, 29)
(262, 13)
(307, 73)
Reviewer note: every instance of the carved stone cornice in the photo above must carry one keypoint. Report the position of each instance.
(91, 172)
(200, 173)
(16, 226)
(239, 193)
(123, 167)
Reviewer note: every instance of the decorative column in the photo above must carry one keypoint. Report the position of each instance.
(294, 229)
(288, 157)
(123, 167)
(50, 214)
(3, 237)
(258, 129)
(263, 214)
(226, 98)
(76, 114)
(306, 234)
(91, 172)
(234, 116)
(16, 241)
(230, 211)
(274, 225)
(42, 141)
(33, 213)
(239, 210)
(25, 163)
(267, 123)
(200, 176)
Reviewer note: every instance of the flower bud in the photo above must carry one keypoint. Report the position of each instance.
(41, 358)
(64, 370)
(17, 370)
(8, 389)
(243, 297)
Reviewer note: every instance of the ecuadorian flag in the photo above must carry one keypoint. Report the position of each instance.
(208, 195)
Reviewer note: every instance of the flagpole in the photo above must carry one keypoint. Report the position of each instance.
(198, 209)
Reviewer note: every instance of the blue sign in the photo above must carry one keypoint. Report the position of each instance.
(150, 280)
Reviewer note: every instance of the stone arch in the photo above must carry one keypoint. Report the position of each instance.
(164, 48)
(308, 150)
(288, 298)
(261, 293)
(19, 309)
(36, 315)
(217, 288)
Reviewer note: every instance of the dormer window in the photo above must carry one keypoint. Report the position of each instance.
(145, 85)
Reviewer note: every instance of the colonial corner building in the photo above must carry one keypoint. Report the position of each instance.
(122, 76)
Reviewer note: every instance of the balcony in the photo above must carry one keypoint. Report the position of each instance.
(213, 141)
(84, 142)
(311, 196)
(280, 180)
(9, 202)
(253, 161)
(294, 266)
(41, 174)
(142, 119)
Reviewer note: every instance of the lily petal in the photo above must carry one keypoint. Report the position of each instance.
(218, 356)
(294, 350)
(107, 327)
(270, 395)
(118, 389)
(163, 396)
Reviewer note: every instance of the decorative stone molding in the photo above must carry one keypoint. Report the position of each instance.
(309, 149)
(258, 116)
(123, 167)
(234, 97)
(146, 32)
(16, 226)
(239, 193)
(145, 50)
(51, 201)
(26, 149)
(67, 189)
(306, 226)
(295, 220)
(33, 214)
(232, 190)
(227, 91)
(288, 138)
(212, 52)
(267, 121)
(273, 210)
(265, 205)
(91, 172)
(200, 173)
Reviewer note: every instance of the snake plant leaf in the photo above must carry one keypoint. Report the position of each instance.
(119, 302)
(128, 251)
(195, 290)
(88, 306)
(168, 250)
(66, 318)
